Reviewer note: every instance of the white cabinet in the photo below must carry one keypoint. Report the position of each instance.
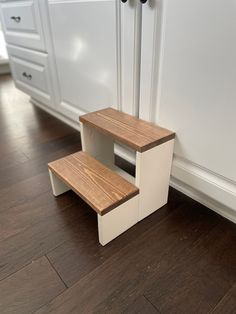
(89, 47)
(166, 61)
(22, 24)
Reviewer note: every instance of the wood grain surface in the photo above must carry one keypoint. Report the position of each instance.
(135, 133)
(96, 184)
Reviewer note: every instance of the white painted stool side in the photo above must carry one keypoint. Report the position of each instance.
(97, 145)
(58, 187)
(118, 220)
(153, 169)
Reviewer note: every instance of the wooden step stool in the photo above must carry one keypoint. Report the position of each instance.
(119, 199)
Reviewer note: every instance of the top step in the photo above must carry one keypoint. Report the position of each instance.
(135, 133)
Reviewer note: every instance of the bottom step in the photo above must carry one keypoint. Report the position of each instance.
(96, 184)
(110, 195)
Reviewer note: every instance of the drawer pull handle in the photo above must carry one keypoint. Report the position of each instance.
(17, 19)
(28, 76)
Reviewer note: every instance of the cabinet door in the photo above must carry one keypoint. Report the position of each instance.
(188, 75)
(89, 46)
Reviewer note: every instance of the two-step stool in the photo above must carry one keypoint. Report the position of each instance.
(119, 199)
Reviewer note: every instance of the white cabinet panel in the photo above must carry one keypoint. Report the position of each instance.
(187, 84)
(22, 24)
(198, 94)
(31, 74)
(194, 80)
(86, 42)
(86, 53)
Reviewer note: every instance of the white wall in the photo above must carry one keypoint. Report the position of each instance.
(196, 97)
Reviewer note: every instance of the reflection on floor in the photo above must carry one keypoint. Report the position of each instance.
(3, 50)
(4, 62)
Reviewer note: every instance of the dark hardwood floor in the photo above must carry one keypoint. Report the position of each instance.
(181, 259)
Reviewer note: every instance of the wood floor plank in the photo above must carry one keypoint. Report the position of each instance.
(227, 304)
(197, 280)
(125, 273)
(32, 167)
(141, 306)
(29, 288)
(37, 131)
(12, 159)
(40, 238)
(74, 260)
(19, 218)
(22, 192)
(34, 150)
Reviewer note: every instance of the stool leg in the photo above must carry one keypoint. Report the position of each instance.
(58, 187)
(117, 221)
(153, 169)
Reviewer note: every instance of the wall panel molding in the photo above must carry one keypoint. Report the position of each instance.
(151, 40)
(203, 199)
(130, 36)
(210, 189)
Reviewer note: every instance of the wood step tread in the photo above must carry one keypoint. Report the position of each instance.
(96, 184)
(136, 133)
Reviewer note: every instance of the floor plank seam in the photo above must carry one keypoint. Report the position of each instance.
(158, 311)
(32, 260)
(221, 299)
(108, 259)
(112, 257)
(19, 269)
(56, 271)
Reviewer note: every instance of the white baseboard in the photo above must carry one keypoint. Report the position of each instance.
(214, 191)
(203, 199)
(58, 115)
(191, 180)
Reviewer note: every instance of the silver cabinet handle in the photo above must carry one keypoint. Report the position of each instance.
(17, 19)
(28, 76)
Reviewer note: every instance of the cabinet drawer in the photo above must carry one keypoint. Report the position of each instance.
(22, 24)
(31, 73)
